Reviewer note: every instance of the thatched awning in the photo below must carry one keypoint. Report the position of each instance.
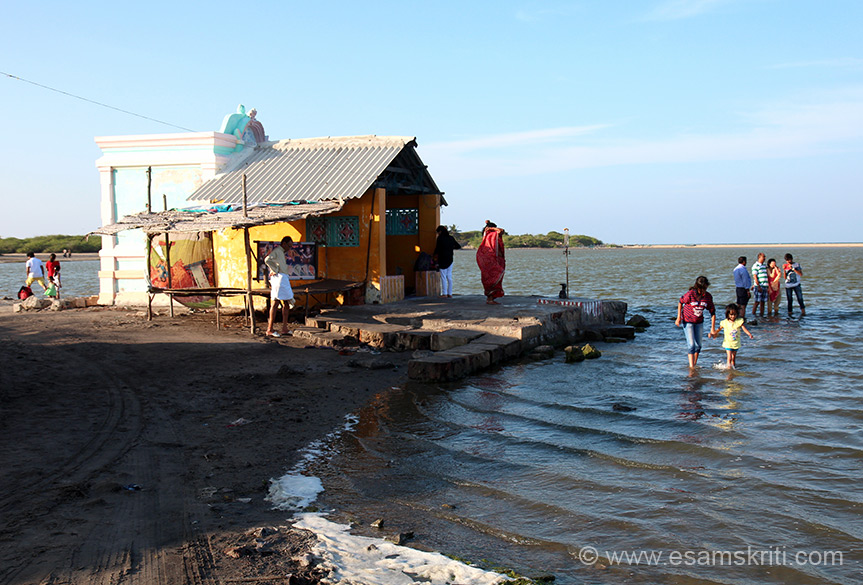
(208, 221)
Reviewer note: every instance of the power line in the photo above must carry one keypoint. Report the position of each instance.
(94, 102)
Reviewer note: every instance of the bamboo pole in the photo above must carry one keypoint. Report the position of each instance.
(149, 282)
(168, 258)
(248, 248)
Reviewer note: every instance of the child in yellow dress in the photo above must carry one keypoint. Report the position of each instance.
(731, 325)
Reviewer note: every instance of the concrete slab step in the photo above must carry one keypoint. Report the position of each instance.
(322, 337)
(443, 340)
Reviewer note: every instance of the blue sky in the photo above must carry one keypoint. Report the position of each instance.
(640, 121)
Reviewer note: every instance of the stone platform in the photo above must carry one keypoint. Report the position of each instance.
(453, 338)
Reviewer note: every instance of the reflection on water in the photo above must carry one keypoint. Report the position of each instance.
(527, 465)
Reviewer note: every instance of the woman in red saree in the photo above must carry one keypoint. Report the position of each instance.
(492, 262)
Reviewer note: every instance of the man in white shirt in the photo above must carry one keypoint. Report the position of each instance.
(280, 285)
(35, 273)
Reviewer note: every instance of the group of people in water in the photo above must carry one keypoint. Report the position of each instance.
(762, 286)
(490, 257)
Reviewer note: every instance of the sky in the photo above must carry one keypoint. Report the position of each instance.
(633, 121)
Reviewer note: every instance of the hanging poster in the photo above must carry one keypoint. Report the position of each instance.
(302, 260)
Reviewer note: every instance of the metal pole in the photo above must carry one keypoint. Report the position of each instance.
(566, 253)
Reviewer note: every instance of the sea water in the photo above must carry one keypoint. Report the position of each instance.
(79, 278)
(631, 468)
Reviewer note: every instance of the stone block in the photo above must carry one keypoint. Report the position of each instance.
(378, 334)
(479, 357)
(438, 368)
(79, 302)
(495, 352)
(511, 346)
(413, 339)
(625, 331)
(34, 303)
(453, 338)
(92, 301)
(17, 308)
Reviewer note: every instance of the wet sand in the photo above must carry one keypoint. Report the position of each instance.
(126, 457)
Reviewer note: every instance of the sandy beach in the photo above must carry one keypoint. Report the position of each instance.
(144, 450)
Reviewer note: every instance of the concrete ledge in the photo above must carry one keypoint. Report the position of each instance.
(453, 338)
(413, 339)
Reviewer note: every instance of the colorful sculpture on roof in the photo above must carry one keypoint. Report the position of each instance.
(254, 133)
(247, 130)
(235, 124)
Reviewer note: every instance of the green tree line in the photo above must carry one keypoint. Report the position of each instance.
(472, 239)
(47, 244)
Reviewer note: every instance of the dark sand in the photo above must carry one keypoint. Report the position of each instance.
(97, 401)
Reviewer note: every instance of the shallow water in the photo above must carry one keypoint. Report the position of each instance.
(79, 278)
(531, 467)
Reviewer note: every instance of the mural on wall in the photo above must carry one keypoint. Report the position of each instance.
(191, 258)
(302, 260)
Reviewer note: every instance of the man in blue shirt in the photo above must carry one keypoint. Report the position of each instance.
(743, 282)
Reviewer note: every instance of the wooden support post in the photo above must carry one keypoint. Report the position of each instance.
(249, 299)
(250, 302)
(149, 283)
(168, 262)
(149, 184)
(218, 314)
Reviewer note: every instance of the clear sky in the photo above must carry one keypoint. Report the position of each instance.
(634, 121)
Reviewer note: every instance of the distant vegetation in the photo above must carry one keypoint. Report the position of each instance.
(550, 240)
(47, 244)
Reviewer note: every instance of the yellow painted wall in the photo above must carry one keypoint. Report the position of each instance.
(402, 251)
(336, 262)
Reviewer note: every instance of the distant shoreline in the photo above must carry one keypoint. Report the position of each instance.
(849, 245)
(669, 246)
(22, 258)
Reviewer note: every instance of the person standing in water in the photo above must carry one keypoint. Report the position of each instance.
(732, 325)
(690, 315)
(760, 284)
(793, 284)
(491, 259)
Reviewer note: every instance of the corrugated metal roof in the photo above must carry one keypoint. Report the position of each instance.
(308, 169)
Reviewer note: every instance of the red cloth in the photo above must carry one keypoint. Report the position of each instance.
(492, 262)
